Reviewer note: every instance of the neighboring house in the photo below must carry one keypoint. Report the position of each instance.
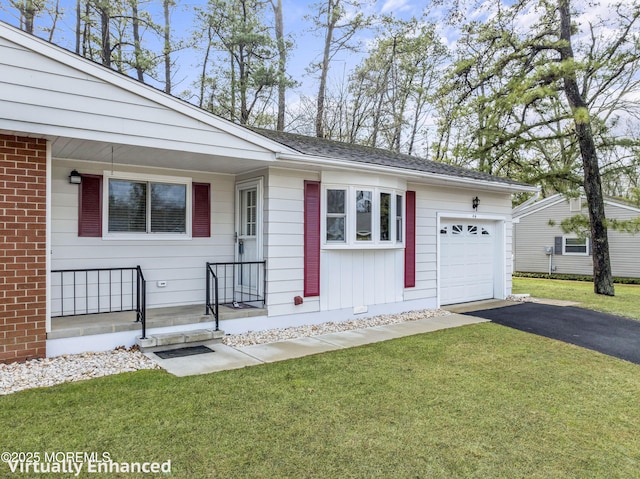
(540, 245)
(112, 191)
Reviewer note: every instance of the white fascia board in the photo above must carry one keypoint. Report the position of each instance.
(622, 205)
(548, 202)
(440, 179)
(533, 204)
(120, 80)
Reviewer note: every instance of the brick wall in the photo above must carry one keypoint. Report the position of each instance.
(23, 254)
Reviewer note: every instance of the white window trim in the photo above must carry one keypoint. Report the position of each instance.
(570, 253)
(350, 222)
(119, 175)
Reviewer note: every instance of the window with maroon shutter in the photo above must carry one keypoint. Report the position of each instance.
(201, 214)
(311, 238)
(410, 241)
(90, 206)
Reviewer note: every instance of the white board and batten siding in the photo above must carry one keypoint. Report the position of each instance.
(437, 275)
(178, 262)
(69, 97)
(284, 241)
(349, 277)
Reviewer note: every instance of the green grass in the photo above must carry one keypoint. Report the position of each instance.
(477, 401)
(626, 301)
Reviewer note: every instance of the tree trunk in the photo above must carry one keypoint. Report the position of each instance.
(136, 40)
(332, 19)
(167, 46)
(282, 61)
(105, 34)
(56, 16)
(29, 13)
(602, 278)
(78, 24)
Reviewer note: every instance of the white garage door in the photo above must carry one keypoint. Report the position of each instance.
(467, 266)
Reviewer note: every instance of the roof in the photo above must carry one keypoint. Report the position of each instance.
(292, 146)
(321, 147)
(539, 204)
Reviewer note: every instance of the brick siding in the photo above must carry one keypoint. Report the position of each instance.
(23, 256)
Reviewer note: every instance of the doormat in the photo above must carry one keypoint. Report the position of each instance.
(236, 305)
(182, 352)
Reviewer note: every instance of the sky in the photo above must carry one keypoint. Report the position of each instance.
(308, 47)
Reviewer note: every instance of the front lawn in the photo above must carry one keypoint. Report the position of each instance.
(476, 401)
(626, 302)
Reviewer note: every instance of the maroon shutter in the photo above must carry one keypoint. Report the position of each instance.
(90, 206)
(201, 210)
(312, 238)
(410, 241)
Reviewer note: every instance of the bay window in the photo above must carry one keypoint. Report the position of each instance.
(362, 217)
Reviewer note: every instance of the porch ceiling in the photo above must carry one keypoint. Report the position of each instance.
(119, 154)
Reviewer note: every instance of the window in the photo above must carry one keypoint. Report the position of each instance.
(577, 246)
(364, 217)
(385, 216)
(399, 222)
(249, 212)
(336, 216)
(138, 206)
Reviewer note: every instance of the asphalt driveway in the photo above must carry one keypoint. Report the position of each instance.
(608, 334)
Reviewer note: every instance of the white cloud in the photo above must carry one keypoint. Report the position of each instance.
(391, 6)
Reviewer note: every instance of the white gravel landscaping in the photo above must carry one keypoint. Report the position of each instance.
(273, 335)
(70, 367)
(77, 367)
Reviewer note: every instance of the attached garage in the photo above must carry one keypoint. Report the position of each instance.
(469, 253)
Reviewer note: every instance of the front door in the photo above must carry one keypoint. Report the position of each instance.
(249, 277)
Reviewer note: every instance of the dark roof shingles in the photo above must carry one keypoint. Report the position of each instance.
(376, 156)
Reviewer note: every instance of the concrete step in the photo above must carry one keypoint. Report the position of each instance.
(159, 342)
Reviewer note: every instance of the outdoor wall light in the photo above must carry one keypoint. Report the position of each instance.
(475, 202)
(75, 178)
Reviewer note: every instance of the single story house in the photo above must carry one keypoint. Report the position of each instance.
(540, 245)
(115, 196)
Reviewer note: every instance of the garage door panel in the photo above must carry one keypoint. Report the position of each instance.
(467, 266)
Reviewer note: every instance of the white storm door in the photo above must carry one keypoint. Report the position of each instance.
(249, 277)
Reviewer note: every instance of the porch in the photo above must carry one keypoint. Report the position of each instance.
(89, 302)
(106, 323)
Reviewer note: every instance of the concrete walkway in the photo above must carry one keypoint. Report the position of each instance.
(225, 357)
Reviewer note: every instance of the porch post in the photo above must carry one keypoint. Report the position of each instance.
(23, 209)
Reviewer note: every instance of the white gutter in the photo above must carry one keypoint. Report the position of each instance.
(300, 159)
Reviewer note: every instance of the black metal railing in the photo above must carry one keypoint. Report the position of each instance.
(76, 292)
(236, 284)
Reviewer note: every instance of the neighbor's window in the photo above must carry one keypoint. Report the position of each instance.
(147, 207)
(576, 245)
(336, 215)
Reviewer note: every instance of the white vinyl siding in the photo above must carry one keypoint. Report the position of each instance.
(284, 241)
(180, 263)
(533, 233)
(433, 201)
(48, 97)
